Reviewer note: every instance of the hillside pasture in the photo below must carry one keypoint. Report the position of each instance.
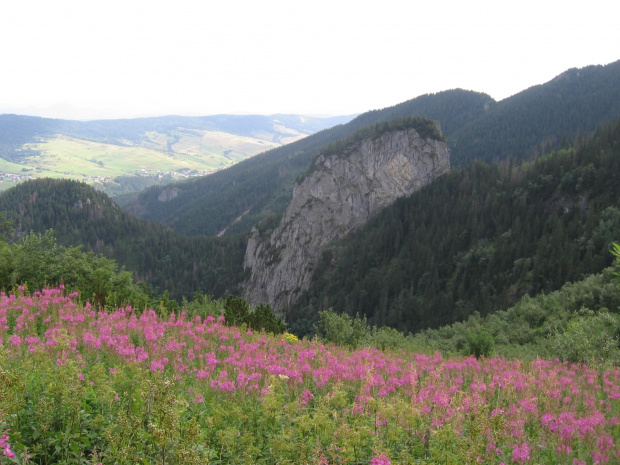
(176, 155)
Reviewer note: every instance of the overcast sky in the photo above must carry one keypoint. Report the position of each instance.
(125, 58)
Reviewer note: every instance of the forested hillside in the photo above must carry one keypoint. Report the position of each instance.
(541, 118)
(258, 189)
(80, 215)
(530, 123)
(476, 240)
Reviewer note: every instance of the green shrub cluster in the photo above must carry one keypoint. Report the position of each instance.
(355, 332)
(578, 323)
(38, 261)
(237, 312)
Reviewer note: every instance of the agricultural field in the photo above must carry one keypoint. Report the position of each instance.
(176, 156)
(86, 385)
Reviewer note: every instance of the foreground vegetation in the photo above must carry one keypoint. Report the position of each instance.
(80, 385)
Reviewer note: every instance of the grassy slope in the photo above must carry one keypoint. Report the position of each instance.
(73, 158)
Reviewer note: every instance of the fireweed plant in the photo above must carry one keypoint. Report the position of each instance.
(81, 386)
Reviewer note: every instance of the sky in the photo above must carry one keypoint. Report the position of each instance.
(86, 59)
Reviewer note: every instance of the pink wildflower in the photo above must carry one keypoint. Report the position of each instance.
(306, 397)
(521, 453)
(380, 460)
(15, 340)
(5, 447)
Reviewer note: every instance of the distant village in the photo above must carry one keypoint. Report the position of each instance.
(12, 177)
(16, 178)
(183, 173)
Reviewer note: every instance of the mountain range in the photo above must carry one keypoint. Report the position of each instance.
(532, 202)
(522, 127)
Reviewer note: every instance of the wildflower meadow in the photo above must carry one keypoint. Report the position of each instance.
(80, 385)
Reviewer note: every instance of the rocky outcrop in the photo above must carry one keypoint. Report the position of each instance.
(340, 194)
(168, 194)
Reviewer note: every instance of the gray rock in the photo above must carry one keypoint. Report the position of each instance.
(168, 194)
(339, 196)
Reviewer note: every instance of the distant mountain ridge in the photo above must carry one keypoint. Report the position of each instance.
(521, 127)
(16, 130)
(263, 184)
(538, 119)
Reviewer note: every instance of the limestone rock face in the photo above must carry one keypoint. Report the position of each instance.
(342, 192)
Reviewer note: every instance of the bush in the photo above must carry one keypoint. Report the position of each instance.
(238, 312)
(38, 261)
(590, 337)
(479, 343)
(341, 329)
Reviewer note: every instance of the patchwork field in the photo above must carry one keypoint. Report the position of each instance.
(178, 156)
(127, 155)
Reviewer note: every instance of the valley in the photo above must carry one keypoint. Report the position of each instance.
(121, 160)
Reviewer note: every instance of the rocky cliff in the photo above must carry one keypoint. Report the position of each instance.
(341, 192)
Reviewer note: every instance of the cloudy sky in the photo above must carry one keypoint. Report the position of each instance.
(125, 58)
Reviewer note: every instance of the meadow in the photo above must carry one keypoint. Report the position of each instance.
(64, 155)
(86, 385)
(89, 161)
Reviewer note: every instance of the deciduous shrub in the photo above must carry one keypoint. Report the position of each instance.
(479, 343)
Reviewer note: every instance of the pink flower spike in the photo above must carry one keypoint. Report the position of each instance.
(380, 460)
(521, 453)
